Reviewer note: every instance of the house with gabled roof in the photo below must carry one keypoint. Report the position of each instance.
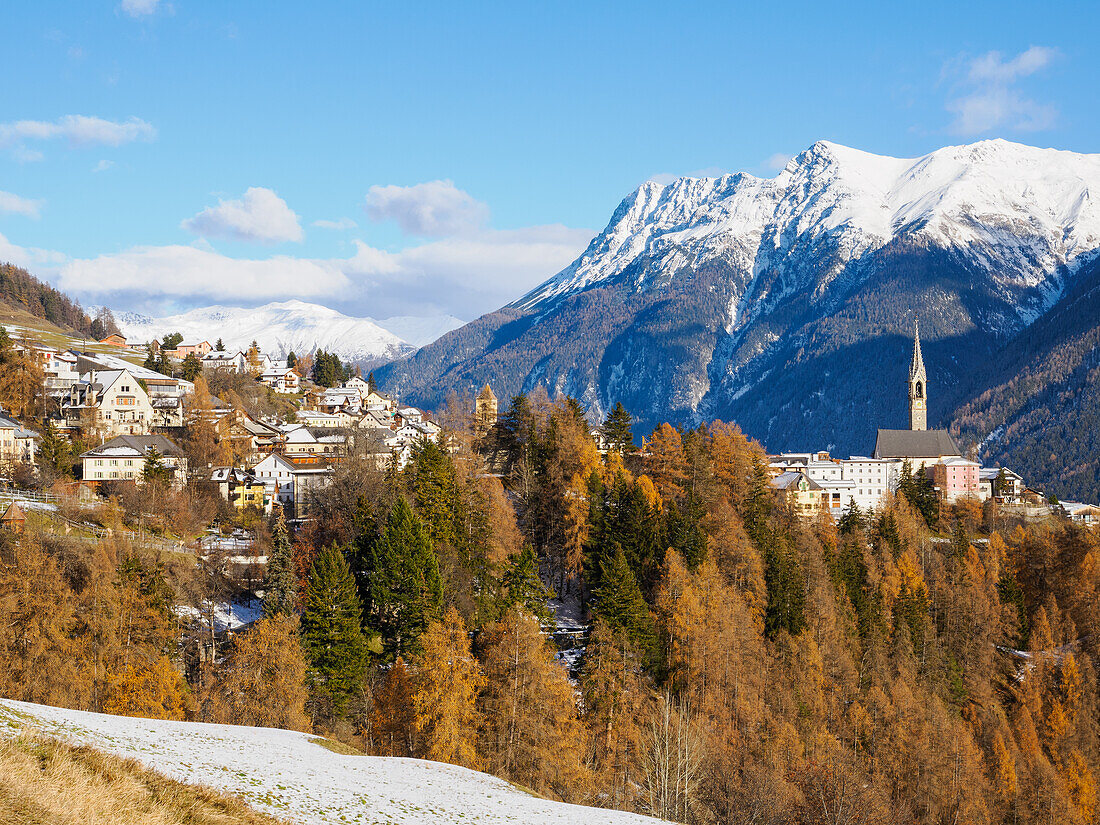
(110, 401)
(124, 458)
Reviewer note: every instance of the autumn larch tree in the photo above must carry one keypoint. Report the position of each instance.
(448, 679)
(532, 734)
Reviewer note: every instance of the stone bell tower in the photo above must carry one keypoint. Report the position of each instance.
(918, 386)
(485, 412)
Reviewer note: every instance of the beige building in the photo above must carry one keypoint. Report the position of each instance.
(113, 400)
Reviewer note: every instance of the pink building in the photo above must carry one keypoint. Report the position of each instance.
(956, 478)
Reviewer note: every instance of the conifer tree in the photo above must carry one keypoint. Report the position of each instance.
(331, 636)
(291, 360)
(372, 386)
(616, 430)
(448, 679)
(684, 529)
(191, 367)
(219, 346)
(280, 579)
(404, 589)
(522, 585)
(620, 603)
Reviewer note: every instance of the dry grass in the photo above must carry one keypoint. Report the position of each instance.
(47, 781)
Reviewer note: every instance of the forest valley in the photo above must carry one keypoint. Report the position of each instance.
(925, 663)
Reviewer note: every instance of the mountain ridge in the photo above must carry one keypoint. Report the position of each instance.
(786, 304)
(293, 325)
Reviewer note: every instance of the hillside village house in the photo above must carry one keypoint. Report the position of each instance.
(124, 457)
(114, 340)
(17, 444)
(956, 478)
(283, 380)
(225, 361)
(242, 489)
(199, 350)
(112, 399)
(291, 483)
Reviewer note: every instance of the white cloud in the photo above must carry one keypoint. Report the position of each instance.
(987, 99)
(465, 276)
(777, 162)
(103, 165)
(260, 216)
(186, 271)
(77, 129)
(435, 209)
(20, 206)
(28, 256)
(342, 223)
(139, 8)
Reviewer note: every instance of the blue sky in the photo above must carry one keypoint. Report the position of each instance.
(443, 158)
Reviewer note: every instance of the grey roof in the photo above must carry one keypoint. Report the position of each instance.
(141, 444)
(915, 444)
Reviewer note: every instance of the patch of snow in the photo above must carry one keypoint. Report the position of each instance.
(289, 775)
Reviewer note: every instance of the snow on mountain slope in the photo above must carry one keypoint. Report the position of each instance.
(278, 328)
(288, 775)
(418, 330)
(1025, 209)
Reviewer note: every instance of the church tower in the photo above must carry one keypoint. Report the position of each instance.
(918, 386)
(485, 412)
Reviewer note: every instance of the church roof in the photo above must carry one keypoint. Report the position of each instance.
(915, 444)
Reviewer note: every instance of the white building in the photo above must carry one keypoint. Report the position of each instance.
(124, 457)
(225, 361)
(872, 479)
(114, 398)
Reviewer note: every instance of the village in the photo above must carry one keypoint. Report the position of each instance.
(134, 419)
(134, 422)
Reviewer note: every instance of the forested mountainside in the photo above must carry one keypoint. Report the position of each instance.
(1037, 404)
(787, 304)
(20, 289)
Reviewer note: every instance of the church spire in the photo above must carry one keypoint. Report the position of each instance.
(918, 385)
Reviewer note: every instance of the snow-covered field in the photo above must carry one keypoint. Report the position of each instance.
(288, 775)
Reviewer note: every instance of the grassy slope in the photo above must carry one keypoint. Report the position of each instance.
(47, 782)
(21, 325)
(290, 774)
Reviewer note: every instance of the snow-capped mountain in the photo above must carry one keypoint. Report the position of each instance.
(419, 330)
(1030, 210)
(787, 304)
(293, 326)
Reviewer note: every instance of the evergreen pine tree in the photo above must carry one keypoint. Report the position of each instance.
(616, 430)
(371, 385)
(291, 360)
(331, 636)
(522, 585)
(620, 603)
(786, 588)
(191, 367)
(403, 585)
(280, 580)
(219, 346)
(684, 528)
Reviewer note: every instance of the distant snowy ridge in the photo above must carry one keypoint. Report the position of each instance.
(295, 326)
(1029, 211)
(289, 775)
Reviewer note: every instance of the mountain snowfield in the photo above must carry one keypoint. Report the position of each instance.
(1031, 210)
(787, 304)
(295, 326)
(288, 775)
